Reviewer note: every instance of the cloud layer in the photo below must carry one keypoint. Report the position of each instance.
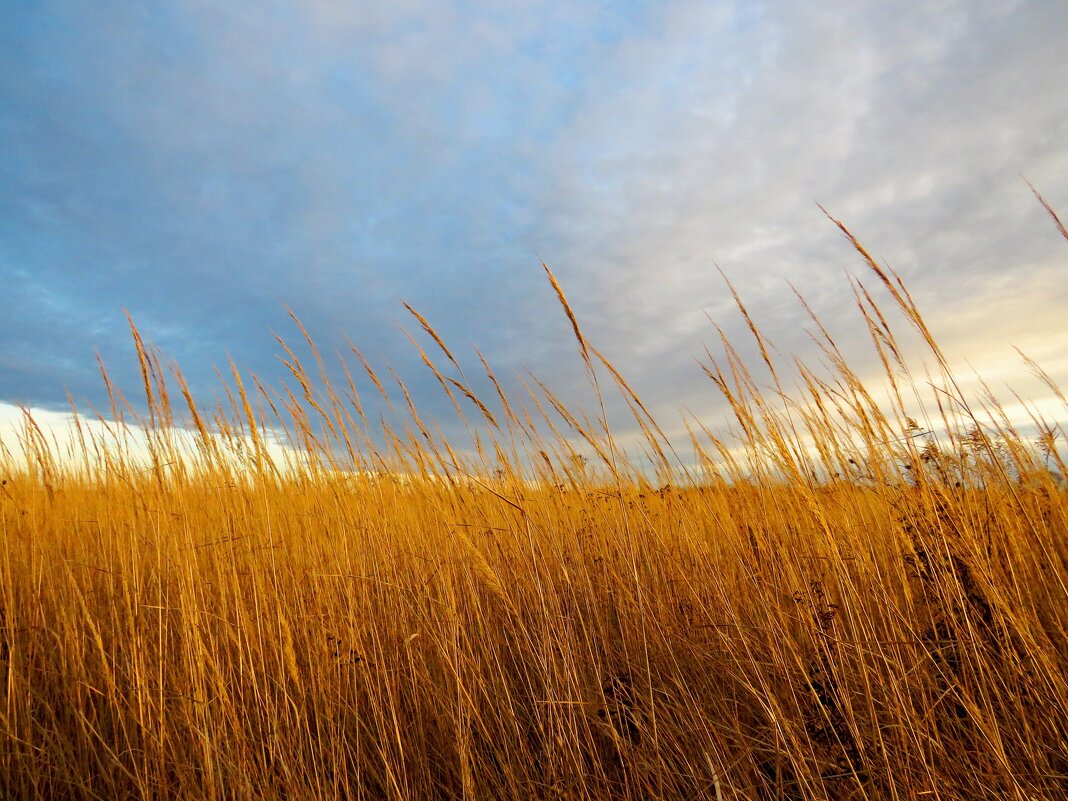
(204, 165)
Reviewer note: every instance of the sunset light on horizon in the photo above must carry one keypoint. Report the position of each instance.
(206, 167)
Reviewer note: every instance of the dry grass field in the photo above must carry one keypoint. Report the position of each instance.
(853, 597)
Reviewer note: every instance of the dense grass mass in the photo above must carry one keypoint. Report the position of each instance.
(862, 594)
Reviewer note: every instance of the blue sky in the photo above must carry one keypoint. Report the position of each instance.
(204, 164)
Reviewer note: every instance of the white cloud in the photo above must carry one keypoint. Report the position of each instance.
(340, 156)
(911, 124)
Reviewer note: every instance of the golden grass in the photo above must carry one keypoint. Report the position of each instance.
(840, 604)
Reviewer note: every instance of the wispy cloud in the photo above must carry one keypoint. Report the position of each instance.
(205, 165)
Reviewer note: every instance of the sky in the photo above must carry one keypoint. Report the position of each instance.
(206, 165)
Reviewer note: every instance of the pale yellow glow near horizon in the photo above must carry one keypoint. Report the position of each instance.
(982, 338)
(1021, 395)
(60, 432)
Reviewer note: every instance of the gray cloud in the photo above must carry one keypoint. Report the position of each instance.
(911, 127)
(203, 166)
